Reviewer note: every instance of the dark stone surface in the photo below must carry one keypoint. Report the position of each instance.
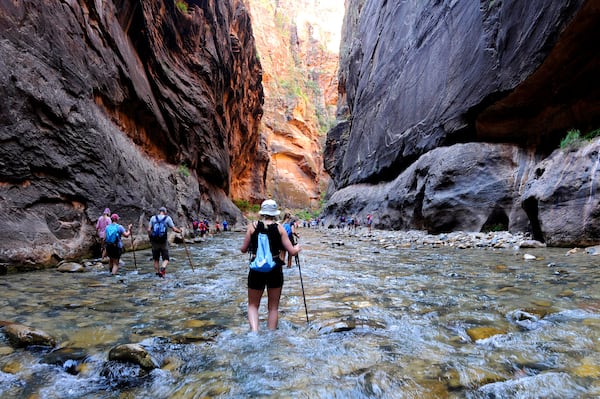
(419, 76)
(126, 104)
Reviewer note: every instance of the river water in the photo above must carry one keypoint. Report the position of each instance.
(385, 321)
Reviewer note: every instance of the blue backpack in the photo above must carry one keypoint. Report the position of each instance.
(111, 233)
(263, 261)
(159, 229)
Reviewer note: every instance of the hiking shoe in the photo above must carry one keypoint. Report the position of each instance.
(162, 272)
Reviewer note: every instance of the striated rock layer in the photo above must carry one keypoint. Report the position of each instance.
(126, 104)
(449, 115)
(298, 44)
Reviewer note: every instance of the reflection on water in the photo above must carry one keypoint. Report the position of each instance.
(384, 323)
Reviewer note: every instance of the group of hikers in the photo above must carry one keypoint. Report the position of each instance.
(111, 232)
(282, 245)
(202, 227)
(352, 222)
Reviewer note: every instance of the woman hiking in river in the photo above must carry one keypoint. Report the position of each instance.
(279, 243)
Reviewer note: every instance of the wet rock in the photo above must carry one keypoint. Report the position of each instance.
(529, 257)
(477, 333)
(525, 319)
(133, 353)
(20, 336)
(6, 350)
(532, 244)
(69, 359)
(470, 378)
(335, 326)
(70, 267)
(595, 250)
(587, 369)
(12, 367)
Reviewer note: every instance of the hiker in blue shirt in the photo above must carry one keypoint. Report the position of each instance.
(290, 229)
(114, 245)
(157, 231)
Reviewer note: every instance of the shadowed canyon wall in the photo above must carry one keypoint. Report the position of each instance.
(126, 104)
(450, 116)
(298, 44)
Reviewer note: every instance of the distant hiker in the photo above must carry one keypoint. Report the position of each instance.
(288, 225)
(157, 231)
(196, 227)
(369, 221)
(278, 243)
(342, 222)
(114, 245)
(225, 225)
(203, 229)
(103, 221)
(217, 227)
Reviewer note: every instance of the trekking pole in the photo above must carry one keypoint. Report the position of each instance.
(186, 249)
(133, 250)
(302, 284)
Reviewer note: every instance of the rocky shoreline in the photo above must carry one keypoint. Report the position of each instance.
(389, 239)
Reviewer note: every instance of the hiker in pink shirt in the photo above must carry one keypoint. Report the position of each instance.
(101, 224)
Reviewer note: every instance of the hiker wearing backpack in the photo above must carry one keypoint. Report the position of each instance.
(268, 241)
(290, 229)
(101, 224)
(114, 245)
(157, 231)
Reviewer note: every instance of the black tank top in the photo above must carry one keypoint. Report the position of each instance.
(272, 231)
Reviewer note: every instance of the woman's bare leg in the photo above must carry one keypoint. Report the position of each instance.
(273, 305)
(253, 304)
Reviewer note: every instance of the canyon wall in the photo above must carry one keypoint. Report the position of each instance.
(450, 117)
(127, 104)
(298, 44)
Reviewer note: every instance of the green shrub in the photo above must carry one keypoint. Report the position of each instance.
(575, 139)
(572, 139)
(181, 6)
(592, 135)
(183, 170)
(245, 206)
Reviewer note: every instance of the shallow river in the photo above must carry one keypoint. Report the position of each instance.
(384, 322)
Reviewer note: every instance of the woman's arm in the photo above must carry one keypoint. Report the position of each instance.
(247, 238)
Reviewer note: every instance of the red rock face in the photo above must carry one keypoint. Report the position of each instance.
(298, 44)
(126, 104)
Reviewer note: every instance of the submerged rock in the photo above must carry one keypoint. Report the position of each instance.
(133, 353)
(20, 335)
(70, 267)
(477, 333)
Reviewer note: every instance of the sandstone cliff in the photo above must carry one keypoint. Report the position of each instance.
(449, 114)
(298, 44)
(127, 104)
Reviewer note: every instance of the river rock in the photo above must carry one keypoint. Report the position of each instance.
(531, 244)
(20, 335)
(477, 333)
(595, 250)
(133, 353)
(70, 267)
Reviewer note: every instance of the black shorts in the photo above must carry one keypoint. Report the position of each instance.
(272, 279)
(113, 251)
